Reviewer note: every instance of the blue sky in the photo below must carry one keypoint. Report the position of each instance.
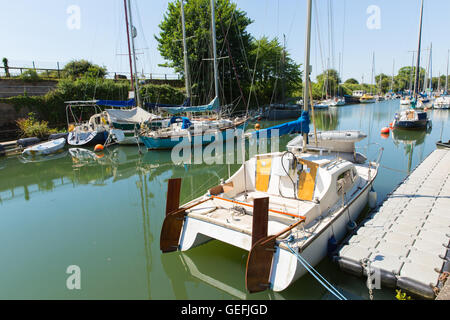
(37, 31)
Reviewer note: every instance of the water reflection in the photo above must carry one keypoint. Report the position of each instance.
(410, 139)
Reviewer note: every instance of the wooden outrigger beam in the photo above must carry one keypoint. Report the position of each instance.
(173, 223)
(259, 262)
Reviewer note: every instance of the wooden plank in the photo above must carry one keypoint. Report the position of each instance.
(171, 232)
(260, 219)
(259, 265)
(259, 261)
(173, 196)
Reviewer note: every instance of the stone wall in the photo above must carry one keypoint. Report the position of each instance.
(12, 87)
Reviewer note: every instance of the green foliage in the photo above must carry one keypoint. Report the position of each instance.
(328, 82)
(52, 108)
(402, 296)
(83, 68)
(5, 65)
(272, 75)
(164, 94)
(351, 81)
(231, 23)
(31, 127)
(30, 75)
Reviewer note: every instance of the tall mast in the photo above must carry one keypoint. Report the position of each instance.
(446, 78)
(133, 35)
(186, 62)
(431, 67)
(411, 73)
(213, 30)
(307, 67)
(373, 73)
(416, 84)
(129, 45)
(392, 81)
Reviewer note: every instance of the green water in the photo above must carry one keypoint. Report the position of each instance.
(105, 216)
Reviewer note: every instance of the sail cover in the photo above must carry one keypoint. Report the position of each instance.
(135, 115)
(116, 103)
(301, 125)
(213, 106)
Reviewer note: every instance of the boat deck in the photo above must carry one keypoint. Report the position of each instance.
(406, 239)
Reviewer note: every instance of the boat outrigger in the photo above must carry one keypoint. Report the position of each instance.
(276, 203)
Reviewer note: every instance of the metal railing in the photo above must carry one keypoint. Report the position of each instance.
(54, 74)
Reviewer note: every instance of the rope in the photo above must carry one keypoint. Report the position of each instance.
(315, 273)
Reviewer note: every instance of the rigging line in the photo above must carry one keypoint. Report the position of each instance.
(316, 13)
(244, 54)
(316, 274)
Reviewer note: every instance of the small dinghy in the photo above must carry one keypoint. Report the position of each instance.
(45, 148)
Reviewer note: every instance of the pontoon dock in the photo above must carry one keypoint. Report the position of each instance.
(406, 239)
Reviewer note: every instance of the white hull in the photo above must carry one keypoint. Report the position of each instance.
(45, 148)
(285, 269)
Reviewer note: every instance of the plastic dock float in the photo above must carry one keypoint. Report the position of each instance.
(405, 241)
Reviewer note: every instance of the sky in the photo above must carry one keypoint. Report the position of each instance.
(48, 31)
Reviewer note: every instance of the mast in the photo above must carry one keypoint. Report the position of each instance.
(283, 84)
(446, 77)
(213, 31)
(411, 73)
(416, 83)
(392, 81)
(373, 73)
(129, 45)
(307, 67)
(431, 68)
(133, 35)
(185, 53)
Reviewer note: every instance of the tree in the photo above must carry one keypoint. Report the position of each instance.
(274, 71)
(5, 65)
(83, 68)
(329, 81)
(383, 83)
(404, 77)
(351, 81)
(233, 44)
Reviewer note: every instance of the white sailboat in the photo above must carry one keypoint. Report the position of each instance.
(285, 208)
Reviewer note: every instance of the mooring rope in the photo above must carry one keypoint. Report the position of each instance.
(314, 272)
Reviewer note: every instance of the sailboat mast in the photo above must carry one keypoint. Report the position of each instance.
(307, 67)
(185, 53)
(431, 67)
(133, 35)
(213, 31)
(129, 45)
(446, 78)
(392, 81)
(416, 83)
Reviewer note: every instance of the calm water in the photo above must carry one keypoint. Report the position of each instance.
(105, 216)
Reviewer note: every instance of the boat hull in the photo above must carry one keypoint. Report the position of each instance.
(87, 138)
(412, 125)
(286, 268)
(168, 143)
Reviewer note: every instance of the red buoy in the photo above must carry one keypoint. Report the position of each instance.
(98, 148)
(385, 130)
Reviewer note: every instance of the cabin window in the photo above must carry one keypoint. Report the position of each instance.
(345, 181)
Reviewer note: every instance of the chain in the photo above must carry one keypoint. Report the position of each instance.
(366, 266)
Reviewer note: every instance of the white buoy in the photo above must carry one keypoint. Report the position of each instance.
(372, 199)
